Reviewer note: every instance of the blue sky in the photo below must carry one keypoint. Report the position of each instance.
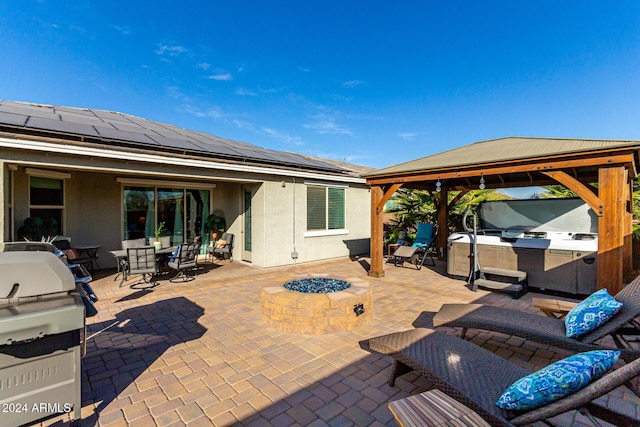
(369, 82)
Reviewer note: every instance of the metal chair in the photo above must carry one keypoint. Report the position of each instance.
(72, 255)
(142, 260)
(184, 259)
(224, 251)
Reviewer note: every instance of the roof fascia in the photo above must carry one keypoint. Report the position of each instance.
(608, 158)
(48, 147)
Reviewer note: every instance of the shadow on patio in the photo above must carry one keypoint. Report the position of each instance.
(198, 353)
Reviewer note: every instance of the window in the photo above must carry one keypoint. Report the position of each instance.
(46, 203)
(325, 208)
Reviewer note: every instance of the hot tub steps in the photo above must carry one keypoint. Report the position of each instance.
(502, 280)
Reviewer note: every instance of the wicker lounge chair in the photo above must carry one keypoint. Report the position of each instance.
(476, 377)
(546, 329)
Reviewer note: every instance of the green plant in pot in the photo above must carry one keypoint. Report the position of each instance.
(215, 225)
(158, 232)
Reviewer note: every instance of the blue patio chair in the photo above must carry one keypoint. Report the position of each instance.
(423, 246)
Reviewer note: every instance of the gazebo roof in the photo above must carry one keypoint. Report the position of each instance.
(503, 150)
(517, 162)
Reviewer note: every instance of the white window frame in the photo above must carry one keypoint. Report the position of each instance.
(60, 176)
(327, 231)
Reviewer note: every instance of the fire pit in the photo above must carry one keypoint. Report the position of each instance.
(317, 285)
(316, 305)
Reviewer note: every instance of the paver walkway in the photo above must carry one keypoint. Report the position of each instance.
(198, 354)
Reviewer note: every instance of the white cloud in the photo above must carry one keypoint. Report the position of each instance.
(408, 136)
(328, 125)
(352, 83)
(205, 66)
(170, 50)
(213, 112)
(123, 30)
(220, 75)
(245, 92)
(283, 137)
(242, 124)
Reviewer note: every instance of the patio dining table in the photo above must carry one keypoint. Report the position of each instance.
(121, 259)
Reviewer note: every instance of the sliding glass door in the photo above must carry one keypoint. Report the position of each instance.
(171, 213)
(183, 211)
(139, 212)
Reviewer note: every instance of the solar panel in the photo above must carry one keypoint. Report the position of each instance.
(13, 119)
(175, 143)
(123, 129)
(28, 110)
(60, 126)
(111, 133)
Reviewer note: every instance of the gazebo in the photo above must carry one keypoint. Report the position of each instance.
(601, 172)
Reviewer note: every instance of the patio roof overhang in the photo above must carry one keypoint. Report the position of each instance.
(83, 156)
(520, 162)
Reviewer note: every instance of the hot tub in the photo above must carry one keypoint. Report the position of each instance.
(553, 241)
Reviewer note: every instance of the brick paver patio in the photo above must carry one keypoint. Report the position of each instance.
(198, 354)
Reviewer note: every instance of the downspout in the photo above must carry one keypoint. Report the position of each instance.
(294, 253)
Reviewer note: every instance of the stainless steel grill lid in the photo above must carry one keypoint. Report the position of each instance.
(31, 274)
(35, 298)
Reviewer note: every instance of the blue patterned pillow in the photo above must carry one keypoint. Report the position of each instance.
(557, 380)
(592, 312)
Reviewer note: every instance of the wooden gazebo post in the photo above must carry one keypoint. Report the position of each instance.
(443, 215)
(377, 231)
(611, 228)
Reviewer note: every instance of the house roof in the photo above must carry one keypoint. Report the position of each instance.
(114, 129)
(502, 150)
(351, 168)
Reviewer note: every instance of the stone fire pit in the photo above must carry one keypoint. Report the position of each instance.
(327, 305)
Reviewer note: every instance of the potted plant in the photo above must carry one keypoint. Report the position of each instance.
(157, 243)
(215, 224)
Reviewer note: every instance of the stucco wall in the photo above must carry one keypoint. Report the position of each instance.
(286, 227)
(93, 205)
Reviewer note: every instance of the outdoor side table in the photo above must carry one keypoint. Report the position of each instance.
(434, 408)
(553, 307)
(391, 246)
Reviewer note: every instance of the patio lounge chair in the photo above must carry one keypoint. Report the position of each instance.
(546, 329)
(422, 247)
(477, 377)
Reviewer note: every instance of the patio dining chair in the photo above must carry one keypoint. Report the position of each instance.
(72, 255)
(184, 259)
(223, 248)
(142, 260)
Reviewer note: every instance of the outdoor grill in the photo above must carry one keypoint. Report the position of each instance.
(42, 319)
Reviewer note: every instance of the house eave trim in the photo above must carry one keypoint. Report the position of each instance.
(21, 144)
